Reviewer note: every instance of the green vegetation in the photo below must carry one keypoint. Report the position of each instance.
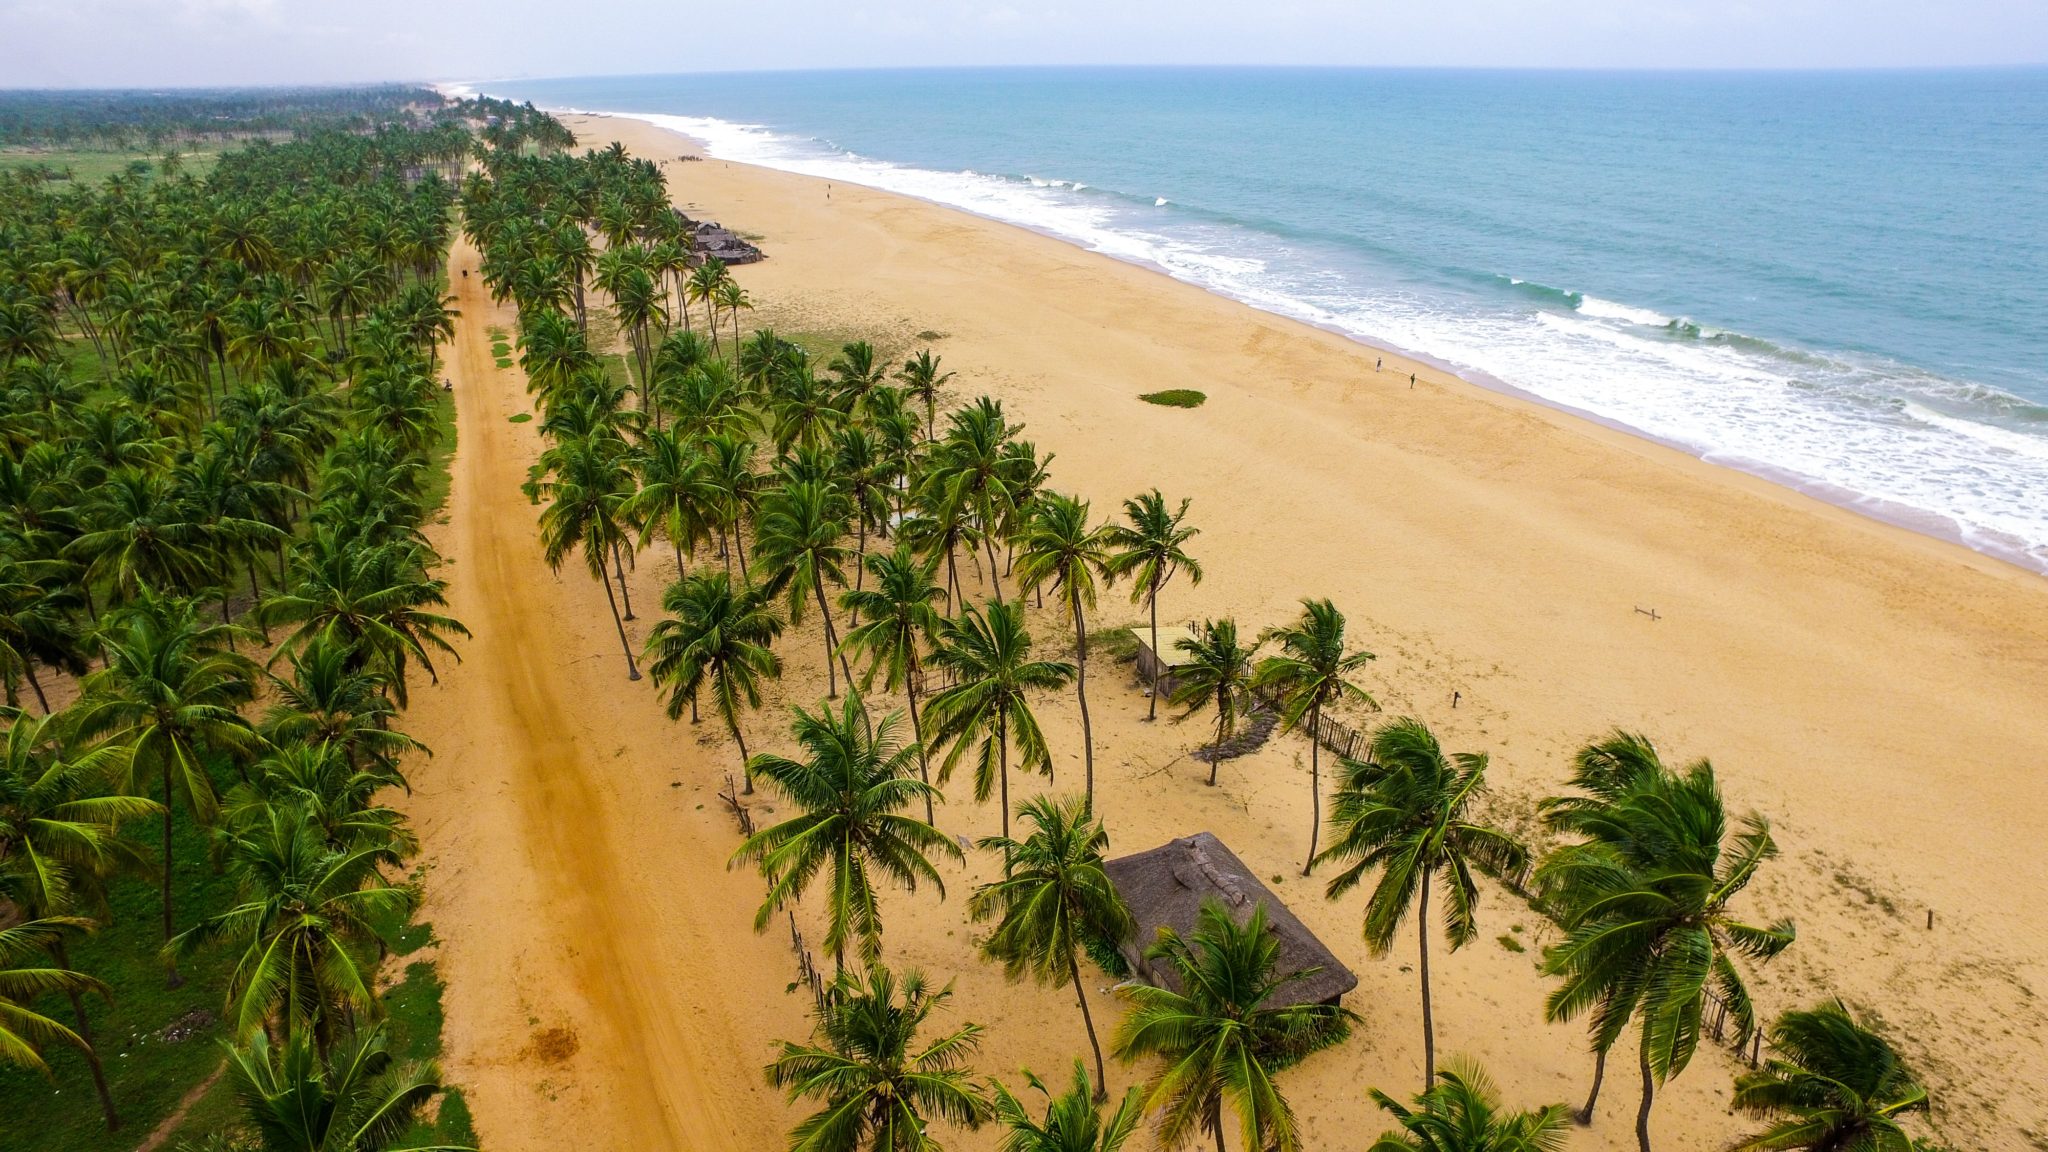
(1175, 398)
(200, 459)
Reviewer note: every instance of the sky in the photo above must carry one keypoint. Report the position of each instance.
(119, 43)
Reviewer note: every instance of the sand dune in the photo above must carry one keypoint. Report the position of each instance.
(1877, 694)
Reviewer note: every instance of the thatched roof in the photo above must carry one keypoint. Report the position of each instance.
(1167, 886)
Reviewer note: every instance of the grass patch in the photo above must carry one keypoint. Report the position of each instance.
(1119, 644)
(148, 1070)
(1175, 398)
(519, 417)
(501, 348)
(444, 451)
(1508, 942)
(928, 335)
(93, 165)
(413, 1020)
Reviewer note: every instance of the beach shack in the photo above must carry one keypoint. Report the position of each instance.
(1155, 668)
(1167, 886)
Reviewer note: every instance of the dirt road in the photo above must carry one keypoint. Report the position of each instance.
(594, 996)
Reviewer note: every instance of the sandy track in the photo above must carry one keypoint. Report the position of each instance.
(589, 981)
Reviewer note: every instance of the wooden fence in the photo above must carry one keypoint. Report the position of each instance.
(806, 966)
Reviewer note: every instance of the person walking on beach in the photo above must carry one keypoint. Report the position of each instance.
(1379, 364)
(1411, 381)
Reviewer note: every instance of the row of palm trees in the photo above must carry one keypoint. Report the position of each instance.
(788, 491)
(219, 417)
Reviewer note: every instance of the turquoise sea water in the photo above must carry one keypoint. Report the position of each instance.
(1837, 280)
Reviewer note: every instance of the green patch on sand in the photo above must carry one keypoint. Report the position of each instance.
(519, 417)
(1175, 398)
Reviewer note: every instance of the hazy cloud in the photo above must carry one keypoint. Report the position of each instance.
(164, 42)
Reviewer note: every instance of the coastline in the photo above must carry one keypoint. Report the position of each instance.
(1863, 686)
(1913, 519)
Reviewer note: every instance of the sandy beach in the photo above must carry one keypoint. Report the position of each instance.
(1876, 693)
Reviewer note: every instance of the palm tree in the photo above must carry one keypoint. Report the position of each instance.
(1219, 1037)
(1308, 676)
(921, 381)
(1054, 901)
(1461, 1112)
(1404, 811)
(170, 694)
(901, 622)
(305, 907)
(1073, 1119)
(880, 1088)
(988, 708)
(60, 839)
(1830, 1084)
(719, 634)
(372, 599)
(850, 787)
(331, 700)
(35, 626)
(587, 489)
(23, 1030)
(358, 1099)
(1150, 549)
(734, 299)
(798, 545)
(1218, 673)
(1644, 903)
(1061, 549)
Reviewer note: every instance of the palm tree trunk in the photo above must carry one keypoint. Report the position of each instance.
(625, 645)
(1158, 661)
(255, 602)
(1428, 1022)
(831, 639)
(1584, 1116)
(28, 665)
(860, 562)
(174, 980)
(92, 1056)
(1649, 1092)
(1315, 789)
(924, 767)
(1216, 1119)
(746, 764)
(1216, 748)
(1081, 994)
(628, 596)
(1081, 690)
(988, 543)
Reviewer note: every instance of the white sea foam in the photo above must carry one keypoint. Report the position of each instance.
(1830, 421)
(1609, 310)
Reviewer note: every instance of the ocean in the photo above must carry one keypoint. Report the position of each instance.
(1835, 280)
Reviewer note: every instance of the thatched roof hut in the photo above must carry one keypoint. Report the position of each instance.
(1166, 888)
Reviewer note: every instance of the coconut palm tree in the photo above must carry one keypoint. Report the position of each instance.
(799, 543)
(373, 599)
(1150, 549)
(1218, 673)
(357, 1099)
(1061, 549)
(987, 650)
(734, 300)
(60, 840)
(170, 695)
(36, 626)
(1405, 813)
(849, 788)
(718, 634)
(921, 381)
(305, 909)
(1053, 902)
(901, 623)
(1644, 900)
(24, 1032)
(331, 699)
(1829, 1084)
(1308, 675)
(587, 486)
(881, 1088)
(1461, 1112)
(1221, 1038)
(1073, 1119)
